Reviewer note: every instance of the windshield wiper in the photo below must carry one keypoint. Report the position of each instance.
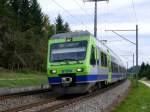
(65, 60)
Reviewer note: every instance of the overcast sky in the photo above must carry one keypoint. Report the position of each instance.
(117, 14)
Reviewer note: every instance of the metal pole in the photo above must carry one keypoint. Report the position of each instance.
(137, 47)
(137, 54)
(127, 65)
(133, 59)
(95, 20)
(95, 15)
(133, 65)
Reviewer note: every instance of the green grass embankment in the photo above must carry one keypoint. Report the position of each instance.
(137, 101)
(18, 79)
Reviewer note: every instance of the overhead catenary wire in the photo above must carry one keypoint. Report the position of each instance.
(68, 12)
(123, 37)
(126, 39)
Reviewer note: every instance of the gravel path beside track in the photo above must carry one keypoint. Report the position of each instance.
(100, 103)
(147, 83)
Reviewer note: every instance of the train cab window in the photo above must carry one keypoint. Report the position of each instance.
(92, 59)
(103, 59)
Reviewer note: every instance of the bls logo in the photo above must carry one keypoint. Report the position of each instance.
(66, 71)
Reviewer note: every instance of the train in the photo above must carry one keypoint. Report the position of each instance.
(77, 62)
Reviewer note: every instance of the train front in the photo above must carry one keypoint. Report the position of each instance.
(68, 65)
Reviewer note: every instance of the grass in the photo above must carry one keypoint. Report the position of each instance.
(137, 101)
(18, 79)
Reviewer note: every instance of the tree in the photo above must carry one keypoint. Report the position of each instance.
(4, 6)
(48, 28)
(24, 15)
(5, 21)
(142, 68)
(59, 24)
(16, 4)
(36, 17)
(146, 73)
(66, 27)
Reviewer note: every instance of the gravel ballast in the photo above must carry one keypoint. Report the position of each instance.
(99, 103)
(25, 100)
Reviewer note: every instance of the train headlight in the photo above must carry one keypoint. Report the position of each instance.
(79, 69)
(53, 71)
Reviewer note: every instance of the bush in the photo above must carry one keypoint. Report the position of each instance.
(26, 71)
(146, 73)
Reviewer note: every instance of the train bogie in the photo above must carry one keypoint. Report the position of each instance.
(77, 89)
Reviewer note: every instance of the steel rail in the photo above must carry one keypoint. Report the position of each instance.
(28, 106)
(25, 93)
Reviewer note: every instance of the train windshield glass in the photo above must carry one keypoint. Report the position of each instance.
(69, 51)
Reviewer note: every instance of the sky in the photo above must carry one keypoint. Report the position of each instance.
(112, 15)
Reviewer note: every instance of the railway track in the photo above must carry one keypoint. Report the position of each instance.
(81, 98)
(50, 105)
(26, 93)
(25, 107)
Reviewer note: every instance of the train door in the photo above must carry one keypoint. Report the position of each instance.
(93, 61)
(109, 67)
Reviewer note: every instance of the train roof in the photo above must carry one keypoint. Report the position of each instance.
(71, 34)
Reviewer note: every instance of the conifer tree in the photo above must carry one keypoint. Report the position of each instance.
(142, 68)
(59, 24)
(36, 16)
(24, 15)
(66, 27)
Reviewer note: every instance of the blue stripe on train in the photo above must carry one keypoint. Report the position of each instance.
(91, 77)
(85, 78)
(118, 75)
(54, 80)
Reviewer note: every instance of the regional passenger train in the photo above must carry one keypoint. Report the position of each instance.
(77, 62)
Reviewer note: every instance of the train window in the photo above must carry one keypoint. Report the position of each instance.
(103, 59)
(114, 67)
(117, 68)
(97, 56)
(123, 70)
(92, 59)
